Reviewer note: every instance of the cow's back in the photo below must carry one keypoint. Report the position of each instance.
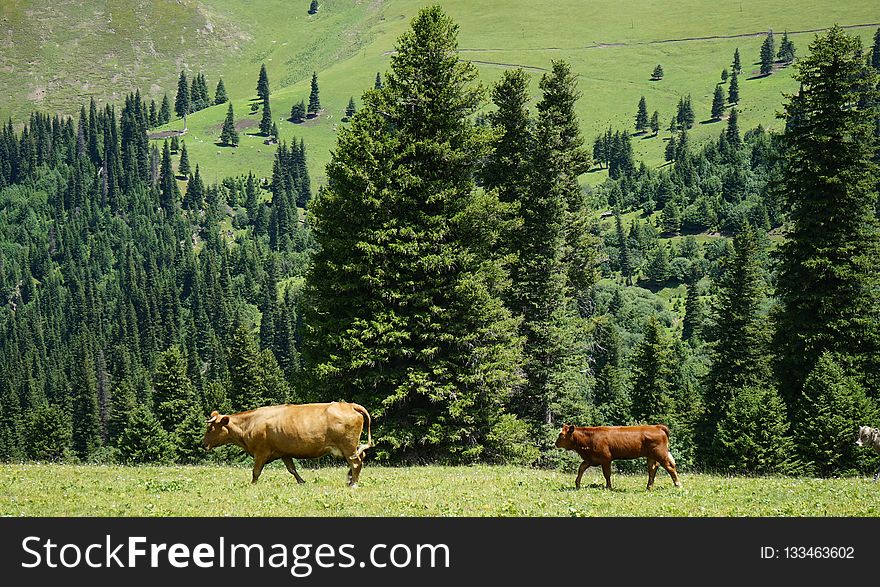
(626, 442)
(307, 430)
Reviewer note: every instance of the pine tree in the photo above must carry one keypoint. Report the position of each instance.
(377, 85)
(670, 150)
(298, 112)
(733, 89)
(408, 324)
(195, 192)
(173, 392)
(165, 111)
(657, 74)
(657, 265)
(183, 168)
(875, 51)
(266, 120)
(175, 144)
(655, 123)
(828, 280)
(653, 372)
(84, 403)
(229, 136)
(169, 193)
(737, 66)
(692, 324)
(671, 218)
(786, 49)
(314, 101)
(624, 259)
(48, 433)
(263, 84)
(724, 75)
(718, 104)
(182, 105)
(768, 54)
(220, 93)
(144, 440)
(731, 133)
(350, 109)
(642, 116)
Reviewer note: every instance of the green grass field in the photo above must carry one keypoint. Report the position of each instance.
(66, 490)
(107, 48)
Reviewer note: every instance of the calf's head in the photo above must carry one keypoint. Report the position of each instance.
(217, 433)
(866, 435)
(564, 440)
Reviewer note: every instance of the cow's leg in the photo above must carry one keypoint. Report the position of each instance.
(291, 466)
(669, 465)
(877, 475)
(652, 470)
(584, 466)
(355, 462)
(606, 470)
(259, 463)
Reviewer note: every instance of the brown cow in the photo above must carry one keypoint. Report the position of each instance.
(599, 445)
(291, 431)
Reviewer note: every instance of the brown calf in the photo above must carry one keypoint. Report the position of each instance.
(599, 445)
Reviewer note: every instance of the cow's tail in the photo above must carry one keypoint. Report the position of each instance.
(664, 429)
(363, 412)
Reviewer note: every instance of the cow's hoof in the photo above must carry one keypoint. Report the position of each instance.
(301, 481)
(353, 485)
(678, 485)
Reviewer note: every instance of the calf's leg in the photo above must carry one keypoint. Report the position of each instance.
(584, 466)
(606, 470)
(291, 467)
(355, 463)
(259, 463)
(652, 471)
(669, 464)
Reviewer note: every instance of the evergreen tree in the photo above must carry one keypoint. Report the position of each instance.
(657, 74)
(828, 281)
(718, 104)
(350, 109)
(183, 168)
(229, 136)
(220, 93)
(655, 123)
(173, 392)
(263, 84)
(195, 192)
(786, 49)
(768, 54)
(182, 105)
(724, 75)
(653, 374)
(298, 112)
(733, 89)
(314, 101)
(84, 402)
(266, 120)
(169, 193)
(144, 440)
(48, 433)
(409, 324)
(737, 65)
(875, 51)
(377, 85)
(670, 150)
(624, 260)
(731, 133)
(175, 144)
(657, 265)
(642, 116)
(671, 218)
(691, 326)
(165, 111)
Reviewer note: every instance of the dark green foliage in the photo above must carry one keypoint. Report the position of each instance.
(266, 120)
(183, 167)
(48, 434)
(830, 411)
(298, 112)
(875, 51)
(144, 440)
(169, 193)
(671, 218)
(657, 74)
(655, 123)
(164, 116)
(828, 279)
(220, 93)
(173, 393)
(195, 192)
(511, 442)
(653, 373)
(403, 313)
(731, 133)
(724, 75)
(254, 376)
(182, 105)
(733, 89)
(228, 135)
(642, 116)
(314, 101)
(657, 265)
(786, 49)
(350, 109)
(737, 65)
(694, 315)
(199, 98)
(313, 7)
(377, 85)
(718, 103)
(263, 84)
(670, 149)
(768, 54)
(685, 116)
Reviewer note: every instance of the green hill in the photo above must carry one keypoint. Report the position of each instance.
(57, 56)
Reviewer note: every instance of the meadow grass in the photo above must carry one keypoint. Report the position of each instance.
(81, 490)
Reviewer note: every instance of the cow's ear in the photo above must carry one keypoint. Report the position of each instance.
(223, 421)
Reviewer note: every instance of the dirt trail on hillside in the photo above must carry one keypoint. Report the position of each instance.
(659, 42)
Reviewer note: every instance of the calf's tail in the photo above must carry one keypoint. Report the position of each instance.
(664, 429)
(363, 412)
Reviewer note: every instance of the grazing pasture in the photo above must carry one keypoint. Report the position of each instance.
(88, 490)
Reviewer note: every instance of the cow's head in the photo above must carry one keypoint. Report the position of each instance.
(217, 433)
(564, 439)
(866, 434)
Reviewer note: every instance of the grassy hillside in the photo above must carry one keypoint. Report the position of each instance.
(613, 45)
(62, 490)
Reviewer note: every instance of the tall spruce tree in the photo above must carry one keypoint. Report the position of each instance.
(314, 100)
(169, 193)
(829, 278)
(768, 54)
(220, 93)
(731, 133)
(642, 116)
(266, 120)
(183, 167)
(228, 135)
(182, 105)
(718, 103)
(786, 49)
(733, 89)
(737, 64)
(403, 312)
(655, 123)
(165, 111)
(263, 84)
(653, 372)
